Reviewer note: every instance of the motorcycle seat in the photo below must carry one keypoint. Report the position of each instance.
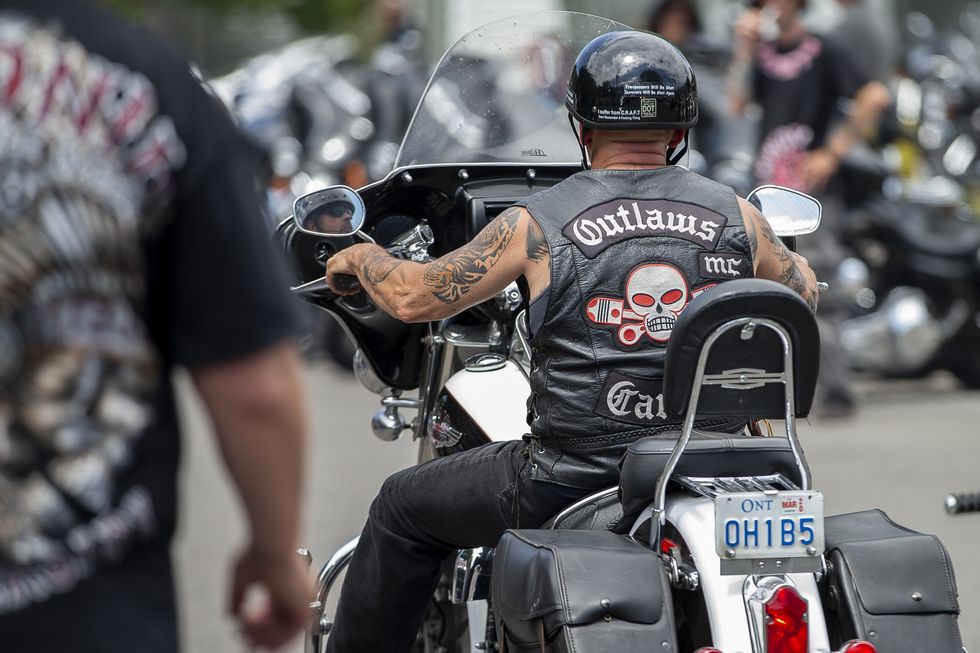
(600, 510)
(947, 238)
(707, 454)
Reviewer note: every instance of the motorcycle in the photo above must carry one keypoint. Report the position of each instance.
(709, 542)
(304, 107)
(912, 283)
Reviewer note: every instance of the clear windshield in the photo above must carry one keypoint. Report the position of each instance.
(498, 94)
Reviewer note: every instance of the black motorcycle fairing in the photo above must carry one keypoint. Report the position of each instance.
(456, 202)
(386, 342)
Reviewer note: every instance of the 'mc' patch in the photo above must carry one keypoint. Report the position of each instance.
(724, 265)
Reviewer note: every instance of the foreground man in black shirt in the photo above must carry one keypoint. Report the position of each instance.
(603, 302)
(130, 243)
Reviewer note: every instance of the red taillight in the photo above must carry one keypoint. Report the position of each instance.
(667, 546)
(858, 646)
(786, 622)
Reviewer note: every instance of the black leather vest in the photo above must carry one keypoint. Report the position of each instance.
(629, 250)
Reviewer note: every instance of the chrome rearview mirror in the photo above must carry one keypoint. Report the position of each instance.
(789, 212)
(333, 211)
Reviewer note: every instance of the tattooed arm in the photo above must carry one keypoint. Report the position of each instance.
(510, 246)
(772, 259)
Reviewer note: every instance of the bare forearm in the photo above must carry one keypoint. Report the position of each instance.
(773, 260)
(396, 285)
(869, 102)
(739, 74)
(414, 292)
(257, 411)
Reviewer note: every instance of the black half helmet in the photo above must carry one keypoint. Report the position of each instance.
(632, 80)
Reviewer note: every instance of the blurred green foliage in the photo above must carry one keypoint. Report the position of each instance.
(311, 15)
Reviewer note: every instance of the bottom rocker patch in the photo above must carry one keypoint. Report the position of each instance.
(632, 400)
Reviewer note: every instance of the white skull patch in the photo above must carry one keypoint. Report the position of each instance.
(655, 295)
(658, 293)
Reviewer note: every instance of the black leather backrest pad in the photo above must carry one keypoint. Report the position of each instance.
(757, 298)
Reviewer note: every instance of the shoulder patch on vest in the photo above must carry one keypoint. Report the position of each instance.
(600, 227)
(724, 265)
(632, 400)
(655, 293)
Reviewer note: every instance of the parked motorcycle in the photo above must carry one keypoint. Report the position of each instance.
(321, 117)
(709, 542)
(912, 283)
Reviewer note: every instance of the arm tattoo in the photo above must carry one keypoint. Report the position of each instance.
(537, 244)
(790, 274)
(754, 237)
(451, 276)
(376, 266)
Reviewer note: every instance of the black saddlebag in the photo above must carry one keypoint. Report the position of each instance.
(561, 591)
(889, 585)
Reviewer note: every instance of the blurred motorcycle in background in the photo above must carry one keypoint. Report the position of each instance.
(321, 117)
(912, 282)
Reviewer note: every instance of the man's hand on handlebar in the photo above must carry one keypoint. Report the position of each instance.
(342, 269)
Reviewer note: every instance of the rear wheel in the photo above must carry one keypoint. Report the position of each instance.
(690, 609)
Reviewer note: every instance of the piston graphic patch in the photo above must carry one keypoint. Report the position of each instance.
(655, 295)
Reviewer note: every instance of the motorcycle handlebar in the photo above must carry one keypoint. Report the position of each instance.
(961, 502)
(346, 282)
(316, 289)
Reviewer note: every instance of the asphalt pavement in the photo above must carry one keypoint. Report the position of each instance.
(910, 444)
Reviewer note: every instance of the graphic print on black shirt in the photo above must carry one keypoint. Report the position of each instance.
(798, 87)
(83, 150)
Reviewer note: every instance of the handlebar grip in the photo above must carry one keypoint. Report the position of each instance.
(346, 282)
(962, 502)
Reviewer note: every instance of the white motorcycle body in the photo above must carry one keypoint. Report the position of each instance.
(504, 416)
(725, 595)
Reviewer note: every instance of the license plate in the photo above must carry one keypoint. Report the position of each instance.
(750, 525)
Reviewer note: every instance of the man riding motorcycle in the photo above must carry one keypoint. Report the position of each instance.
(606, 260)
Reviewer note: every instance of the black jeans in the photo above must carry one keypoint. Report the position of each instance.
(421, 516)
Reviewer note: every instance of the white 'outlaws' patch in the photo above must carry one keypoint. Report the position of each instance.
(655, 295)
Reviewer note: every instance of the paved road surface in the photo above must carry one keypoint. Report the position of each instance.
(911, 444)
